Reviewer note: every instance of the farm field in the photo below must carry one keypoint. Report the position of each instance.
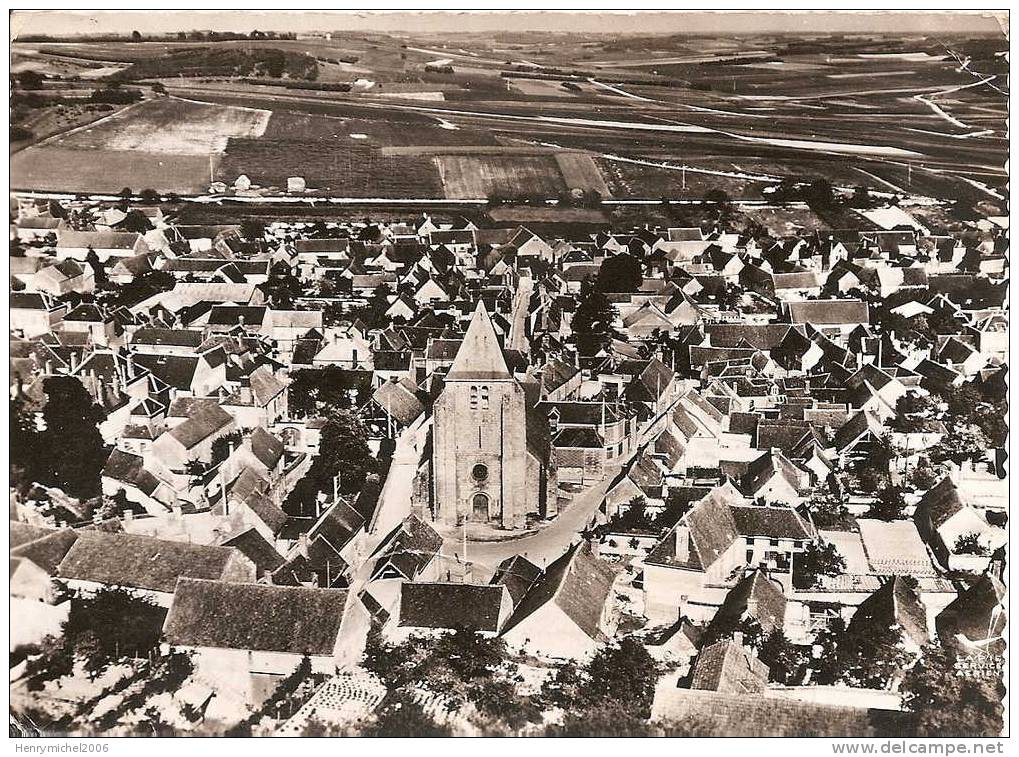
(164, 144)
(897, 113)
(581, 172)
(631, 179)
(468, 177)
(46, 122)
(57, 169)
(169, 126)
(347, 170)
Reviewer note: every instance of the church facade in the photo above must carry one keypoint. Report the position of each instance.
(490, 453)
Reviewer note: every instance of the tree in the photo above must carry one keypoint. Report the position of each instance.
(828, 510)
(946, 701)
(98, 269)
(462, 666)
(374, 313)
(623, 673)
(717, 197)
(127, 193)
(924, 475)
(633, 518)
(401, 716)
(75, 449)
(889, 504)
(30, 79)
(123, 622)
(592, 323)
(871, 653)
(912, 407)
(861, 198)
(786, 661)
(136, 221)
(342, 448)
(136, 36)
(25, 445)
(252, 228)
(819, 194)
(824, 662)
(148, 194)
(969, 544)
(609, 719)
(620, 273)
(964, 443)
(819, 558)
(282, 287)
(611, 695)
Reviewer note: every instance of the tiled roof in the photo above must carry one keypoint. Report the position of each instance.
(448, 605)
(255, 617)
(141, 562)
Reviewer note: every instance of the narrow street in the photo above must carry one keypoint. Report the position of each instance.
(394, 501)
(518, 328)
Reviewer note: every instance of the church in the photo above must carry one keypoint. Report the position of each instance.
(491, 454)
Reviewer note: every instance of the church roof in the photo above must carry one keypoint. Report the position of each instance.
(480, 356)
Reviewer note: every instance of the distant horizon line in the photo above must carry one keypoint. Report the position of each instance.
(594, 23)
(702, 33)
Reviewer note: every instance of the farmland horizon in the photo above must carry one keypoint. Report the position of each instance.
(89, 24)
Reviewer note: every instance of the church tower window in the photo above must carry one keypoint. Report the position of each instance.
(484, 398)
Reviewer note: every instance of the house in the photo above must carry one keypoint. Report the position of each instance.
(943, 519)
(192, 439)
(260, 552)
(32, 228)
(347, 348)
(34, 313)
(773, 478)
(148, 565)
(844, 315)
(125, 473)
(34, 564)
(249, 636)
(567, 612)
(126, 270)
(641, 478)
(106, 244)
(64, 277)
(756, 598)
(729, 667)
(756, 716)
(161, 341)
(975, 621)
(399, 401)
(260, 399)
(692, 568)
(448, 606)
(895, 605)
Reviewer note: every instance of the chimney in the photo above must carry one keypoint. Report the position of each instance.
(738, 637)
(682, 543)
(74, 360)
(302, 544)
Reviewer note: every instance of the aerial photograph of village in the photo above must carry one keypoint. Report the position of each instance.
(442, 374)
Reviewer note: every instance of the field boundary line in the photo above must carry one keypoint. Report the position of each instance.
(239, 107)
